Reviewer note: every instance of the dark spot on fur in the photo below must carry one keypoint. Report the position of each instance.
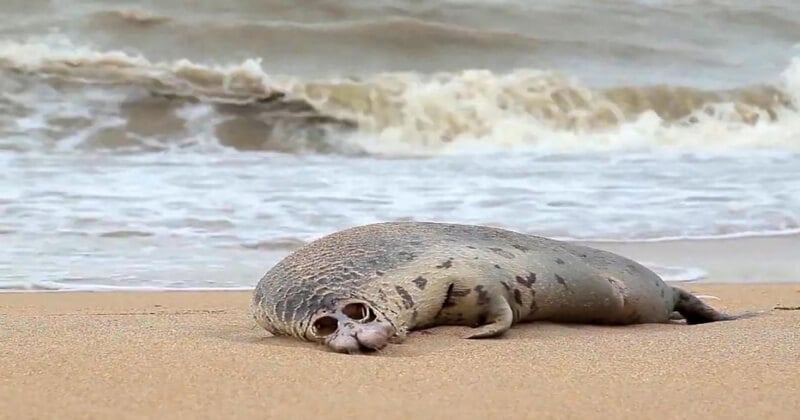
(559, 261)
(506, 286)
(448, 299)
(631, 268)
(501, 252)
(534, 306)
(408, 301)
(483, 295)
(584, 256)
(470, 247)
(451, 298)
(414, 317)
(379, 272)
(662, 292)
(446, 264)
(497, 266)
(561, 281)
(521, 247)
(528, 280)
(421, 282)
(518, 296)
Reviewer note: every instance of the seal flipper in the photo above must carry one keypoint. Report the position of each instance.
(500, 318)
(695, 311)
(676, 316)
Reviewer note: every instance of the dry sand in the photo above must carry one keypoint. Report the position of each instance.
(199, 355)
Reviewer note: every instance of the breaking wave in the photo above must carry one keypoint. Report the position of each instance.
(116, 100)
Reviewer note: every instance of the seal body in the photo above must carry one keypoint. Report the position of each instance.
(360, 288)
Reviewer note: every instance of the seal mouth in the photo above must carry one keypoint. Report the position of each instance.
(367, 350)
(373, 347)
(348, 345)
(352, 327)
(351, 342)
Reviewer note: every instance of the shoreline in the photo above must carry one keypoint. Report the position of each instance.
(247, 290)
(200, 354)
(741, 260)
(749, 260)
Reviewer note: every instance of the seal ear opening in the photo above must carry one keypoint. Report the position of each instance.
(325, 326)
(359, 312)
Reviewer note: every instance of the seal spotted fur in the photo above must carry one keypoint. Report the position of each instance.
(363, 287)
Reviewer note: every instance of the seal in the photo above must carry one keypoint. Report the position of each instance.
(359, 289)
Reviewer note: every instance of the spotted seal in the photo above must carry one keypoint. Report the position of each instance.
(364, 287)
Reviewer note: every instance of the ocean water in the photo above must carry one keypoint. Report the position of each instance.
(192, 144)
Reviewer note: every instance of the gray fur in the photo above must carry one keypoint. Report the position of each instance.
(418, 275)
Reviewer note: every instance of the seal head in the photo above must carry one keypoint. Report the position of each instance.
(350, 326)
(331, 291)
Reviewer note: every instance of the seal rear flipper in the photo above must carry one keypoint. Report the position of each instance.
(500, 318)
(695, 311)
(676, 316)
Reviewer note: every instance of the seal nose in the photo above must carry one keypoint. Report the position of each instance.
(373, 337)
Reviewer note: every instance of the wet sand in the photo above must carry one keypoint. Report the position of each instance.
(758, 259)
(199, 355)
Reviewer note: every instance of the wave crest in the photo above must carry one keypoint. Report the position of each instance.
(411, 113)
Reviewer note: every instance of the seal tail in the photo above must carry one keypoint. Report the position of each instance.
(695, 311)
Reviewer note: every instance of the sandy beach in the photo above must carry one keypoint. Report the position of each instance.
(199, 355)
(159, 157)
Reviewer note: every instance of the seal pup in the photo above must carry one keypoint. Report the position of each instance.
(362, 288)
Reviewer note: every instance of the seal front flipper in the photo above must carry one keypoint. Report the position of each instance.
(499, 320)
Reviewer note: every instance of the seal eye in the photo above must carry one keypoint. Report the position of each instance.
(325, 326)
(359, 312)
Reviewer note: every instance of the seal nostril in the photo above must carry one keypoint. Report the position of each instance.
(325, 326)
(359, 312)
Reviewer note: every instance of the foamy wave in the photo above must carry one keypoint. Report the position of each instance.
(417, 114)
(765, 233)
(139, 17)
(678, 274)
(51, 286)
(58, 58)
